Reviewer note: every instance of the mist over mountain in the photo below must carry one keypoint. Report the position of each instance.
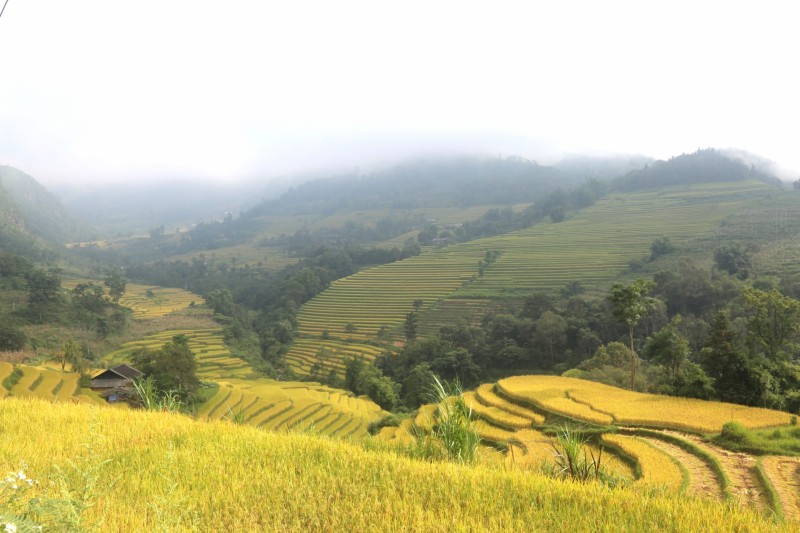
(135, 208)
(702, 166)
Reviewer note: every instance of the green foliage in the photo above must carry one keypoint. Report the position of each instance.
(375, 426)
(777, 441)
(44, 291)
(660, 247)
(11, 338)
(410, 327)
(364, 378)
(12, 379)
(151, 398)
(172, 368)
(669, 347)
(116, 285)
(452, 428)
(737, 377)
(734, 260)
(774, 321)
(571, 460)
(630, 304)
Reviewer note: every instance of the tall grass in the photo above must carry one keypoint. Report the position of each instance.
(452, 432)
(170, 472)
(571, 460)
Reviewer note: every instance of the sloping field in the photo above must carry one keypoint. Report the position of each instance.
(516, 412)
(214, 361)
(602, 404)
(45, 383)
(285, 405)
(594, 247)
(183, 475)
(275, 405)
(147, 301)
(328, 354)
(600, 241)
(154, 302)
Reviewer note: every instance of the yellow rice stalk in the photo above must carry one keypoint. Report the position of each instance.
(156, 471)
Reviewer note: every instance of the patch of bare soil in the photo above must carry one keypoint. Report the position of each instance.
(741, 470)
(784, 472)
(702, 481)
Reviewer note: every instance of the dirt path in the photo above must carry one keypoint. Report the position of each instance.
(702, 481)
(740, 467)
(784, 472)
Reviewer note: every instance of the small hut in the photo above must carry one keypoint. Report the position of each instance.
(115, 383)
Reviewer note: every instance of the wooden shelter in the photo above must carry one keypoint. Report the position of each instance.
(116, 382)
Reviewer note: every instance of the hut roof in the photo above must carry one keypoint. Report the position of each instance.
(123, 371)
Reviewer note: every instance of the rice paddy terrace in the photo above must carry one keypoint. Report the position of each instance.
(180, 474)
(25, 381)
(652, 439)
(244, 396)
(147, 301)
(594, 247)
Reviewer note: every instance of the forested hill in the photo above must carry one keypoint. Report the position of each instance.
(703, 166)
(44, 215)
(15, 236)
(434, 182)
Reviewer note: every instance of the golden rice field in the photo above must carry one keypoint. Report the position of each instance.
(214, 360)
(158, 471)
(153, 302)
(601, 404)
(147, 301)
(284, 405)
(656, 467)
(46, 383)
(304, 353)
(672, 460)
(266, 403)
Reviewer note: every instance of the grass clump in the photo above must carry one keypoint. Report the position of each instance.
(571, 460)
(776, 441)
(450, 433)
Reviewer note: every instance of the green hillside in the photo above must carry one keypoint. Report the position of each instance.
(595, 247)
(44, 214)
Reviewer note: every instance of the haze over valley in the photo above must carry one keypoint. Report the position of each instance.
(355, 267)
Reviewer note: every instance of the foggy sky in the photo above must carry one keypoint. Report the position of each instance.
(99, 90)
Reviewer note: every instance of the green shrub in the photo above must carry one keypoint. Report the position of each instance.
(735, 433)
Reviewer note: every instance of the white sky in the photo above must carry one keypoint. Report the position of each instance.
(109, 90)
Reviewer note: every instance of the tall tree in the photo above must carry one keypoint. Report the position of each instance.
(774, 320)
(116, 285)
(669, 347)
(631, 302)
(173, 367)
(552, 330)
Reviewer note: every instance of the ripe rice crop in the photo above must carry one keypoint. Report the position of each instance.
(496, 416)
(657, 468)
(180, 474)
(591, 401)
(282, 405)
(485, 393)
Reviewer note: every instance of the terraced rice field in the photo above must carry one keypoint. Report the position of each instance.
(214, 360)
(330, 355)
(262, 402)
(280, 405)
(604, 405)
(46, 383)
(153, 302)
(656, 467)
(594, 246)
(516, 412)
(147, 301)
